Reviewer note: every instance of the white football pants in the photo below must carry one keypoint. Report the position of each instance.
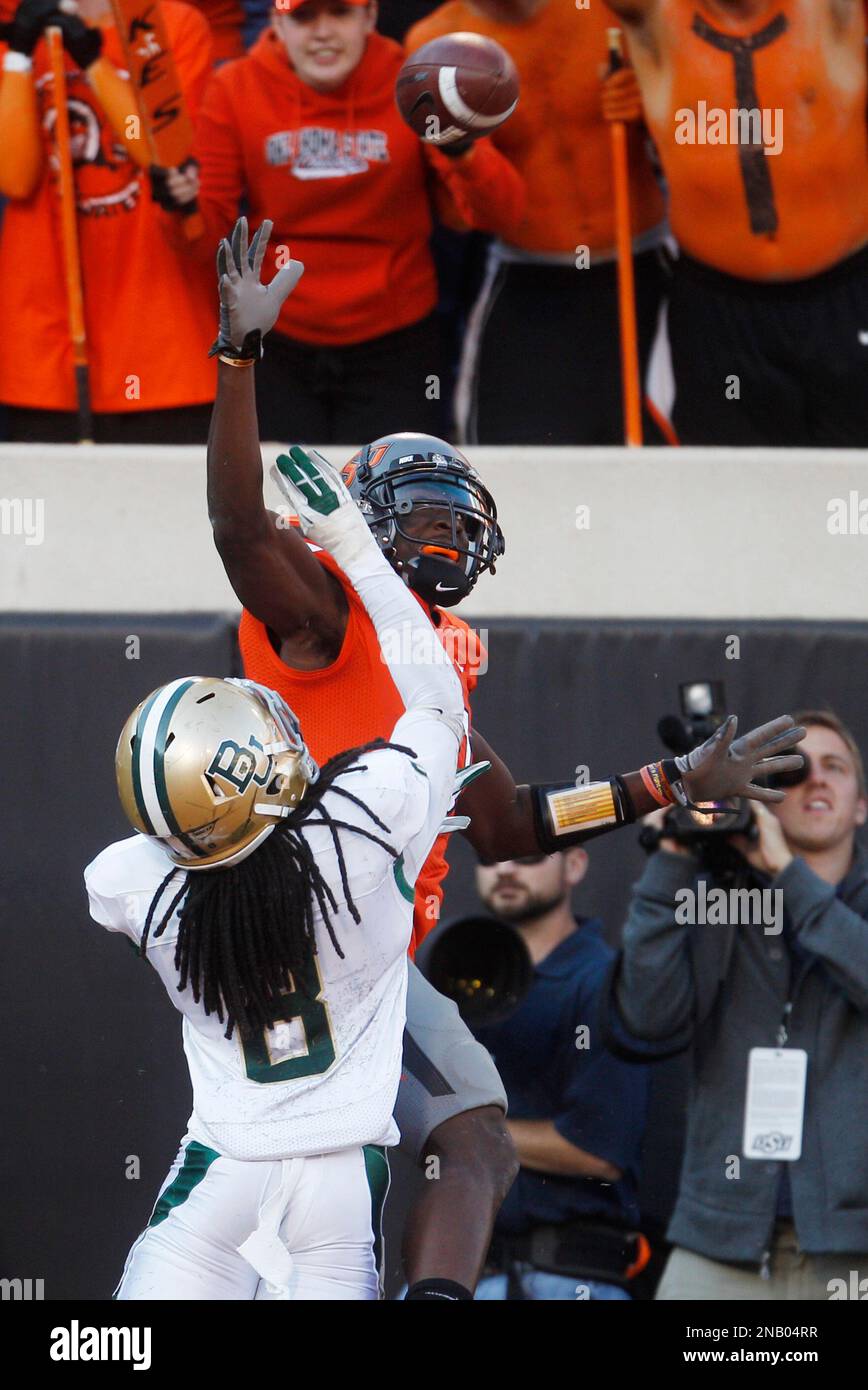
(223, 1228)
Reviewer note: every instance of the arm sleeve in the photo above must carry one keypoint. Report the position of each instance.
(109, 906)
(397, 788)
(828, 928)
(655, 991)
(435, 748)
(191, 42)
(221, 164)
(216, 145)
(482, 192)
(21, 154)
(434, 720)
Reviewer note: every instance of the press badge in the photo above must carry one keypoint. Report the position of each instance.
(775, 1103)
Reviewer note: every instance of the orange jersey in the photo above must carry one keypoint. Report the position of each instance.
(149, 315)
(355, 700)
(762, 216)
(557, 137)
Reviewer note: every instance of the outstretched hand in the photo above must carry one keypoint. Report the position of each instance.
(725, 766)
(248, 309)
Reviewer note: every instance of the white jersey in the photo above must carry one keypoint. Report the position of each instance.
(325, 1077)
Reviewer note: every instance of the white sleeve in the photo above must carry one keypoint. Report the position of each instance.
(116, 898)
(435, 759)
(417, 660)
(408, 794)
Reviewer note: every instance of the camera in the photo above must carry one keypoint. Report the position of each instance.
(480, 963)
(707, 828)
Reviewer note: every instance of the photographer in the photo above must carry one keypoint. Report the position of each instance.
(788, 999)
(576, 1113)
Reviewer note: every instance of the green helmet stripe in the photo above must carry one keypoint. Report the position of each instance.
(160, 771)
(135, 768)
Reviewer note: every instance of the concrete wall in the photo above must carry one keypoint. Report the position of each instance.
(683, 533)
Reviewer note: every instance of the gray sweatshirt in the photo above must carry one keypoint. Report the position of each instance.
(721, 990)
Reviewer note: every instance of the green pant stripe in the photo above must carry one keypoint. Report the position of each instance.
(377, 1174)
(197, 1161)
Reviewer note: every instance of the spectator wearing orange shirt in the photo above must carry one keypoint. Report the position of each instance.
(541, 361)
(148, 313)
(307, 130)
(758, 109)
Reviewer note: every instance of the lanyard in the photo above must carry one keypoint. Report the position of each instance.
(784, 1026)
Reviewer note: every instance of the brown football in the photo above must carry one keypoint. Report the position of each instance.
(455, 86)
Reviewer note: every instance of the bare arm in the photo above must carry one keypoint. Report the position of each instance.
(541, 1147)
(502, 824)
(21, 154)
(269, 565)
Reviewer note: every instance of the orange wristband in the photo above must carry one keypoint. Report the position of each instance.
(656, 783)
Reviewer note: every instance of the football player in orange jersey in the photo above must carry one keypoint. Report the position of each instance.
(437, 525)
(757, 109)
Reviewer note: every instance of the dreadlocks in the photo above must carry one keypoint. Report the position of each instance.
(244, 929)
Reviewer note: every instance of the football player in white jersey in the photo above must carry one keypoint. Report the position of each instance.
(275, 901)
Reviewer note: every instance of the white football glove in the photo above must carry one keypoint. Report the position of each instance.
(328, 515)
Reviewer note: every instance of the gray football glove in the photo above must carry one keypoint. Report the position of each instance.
(724, 766)
(248, 309)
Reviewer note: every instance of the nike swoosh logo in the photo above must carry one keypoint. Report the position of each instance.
(451, 588)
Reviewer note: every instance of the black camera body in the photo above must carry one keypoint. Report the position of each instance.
(707, 828)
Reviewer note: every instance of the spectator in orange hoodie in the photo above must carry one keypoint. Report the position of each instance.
(541, 361)
(147, 384)
(307, 130)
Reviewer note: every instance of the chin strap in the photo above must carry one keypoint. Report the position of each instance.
(437, 579)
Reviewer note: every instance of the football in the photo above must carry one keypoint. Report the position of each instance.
(457, 86)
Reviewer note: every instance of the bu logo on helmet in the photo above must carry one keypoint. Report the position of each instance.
(237, 764)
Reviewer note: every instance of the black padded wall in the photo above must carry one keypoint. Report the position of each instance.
(93, 1068)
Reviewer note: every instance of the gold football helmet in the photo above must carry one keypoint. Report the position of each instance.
(208, 766)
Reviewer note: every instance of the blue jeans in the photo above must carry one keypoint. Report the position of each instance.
(539, 1286)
